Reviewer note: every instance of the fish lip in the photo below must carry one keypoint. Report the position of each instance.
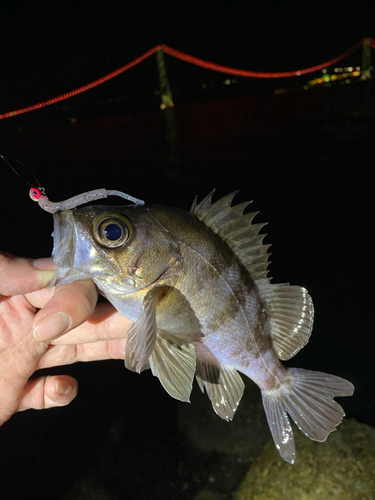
(67, 250)
(62, 236)
(55, 235)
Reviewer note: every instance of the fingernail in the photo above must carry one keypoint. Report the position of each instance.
(62, 386)
(45, 264)
(45, 277)
(51, 326)
(46, 270)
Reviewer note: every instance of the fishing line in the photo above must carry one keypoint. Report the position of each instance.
(5, 158)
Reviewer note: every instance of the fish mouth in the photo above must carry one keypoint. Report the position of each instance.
(69, 253)
(62, 240)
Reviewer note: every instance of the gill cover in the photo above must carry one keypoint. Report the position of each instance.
(111, 230)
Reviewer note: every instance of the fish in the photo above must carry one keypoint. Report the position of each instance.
(196, 286)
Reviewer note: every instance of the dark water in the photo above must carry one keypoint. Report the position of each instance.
(308, 166)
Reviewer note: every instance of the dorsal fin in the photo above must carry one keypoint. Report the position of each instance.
(290, 308)
(237, 230)
(291, 313)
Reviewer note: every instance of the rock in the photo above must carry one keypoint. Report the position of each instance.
(220, 452)
(88, 489)
(245, 436)
(341, 468)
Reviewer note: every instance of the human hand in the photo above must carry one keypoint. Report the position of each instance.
(45, 327)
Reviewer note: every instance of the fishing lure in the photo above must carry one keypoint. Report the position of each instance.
(39, 195)
(97, 194)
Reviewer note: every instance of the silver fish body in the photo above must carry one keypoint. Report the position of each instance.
(195, 284)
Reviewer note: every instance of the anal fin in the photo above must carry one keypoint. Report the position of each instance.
(223, 384)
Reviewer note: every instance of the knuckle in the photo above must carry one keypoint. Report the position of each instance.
(79, 300)
(6, 260)
(89, 296)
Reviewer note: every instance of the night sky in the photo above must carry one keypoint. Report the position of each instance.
(48, 48)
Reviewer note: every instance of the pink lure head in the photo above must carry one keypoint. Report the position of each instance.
(35, 194)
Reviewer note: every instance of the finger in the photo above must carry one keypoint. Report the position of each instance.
(94, 351)
(48, 392)
(106, 323)
(19, 276)
(39, 298)
(70, 306)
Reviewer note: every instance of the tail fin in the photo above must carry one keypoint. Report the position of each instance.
(308, 398)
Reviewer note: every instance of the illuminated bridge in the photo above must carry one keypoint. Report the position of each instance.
(331, 71)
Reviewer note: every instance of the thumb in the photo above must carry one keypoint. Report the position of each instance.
(48, 392)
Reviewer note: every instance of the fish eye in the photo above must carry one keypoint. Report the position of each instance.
(111, 230)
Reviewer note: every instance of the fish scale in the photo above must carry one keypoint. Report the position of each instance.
(225, 327)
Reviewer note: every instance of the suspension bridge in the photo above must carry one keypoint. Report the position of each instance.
(363, 72)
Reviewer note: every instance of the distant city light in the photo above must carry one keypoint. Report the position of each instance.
(324, 71)
(72, 119)
(227, 81)
(347, 75)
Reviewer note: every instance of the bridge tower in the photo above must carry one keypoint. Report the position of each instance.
(366, 59)
(165, 90)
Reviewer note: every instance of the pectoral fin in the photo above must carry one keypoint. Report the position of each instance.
(174, 364)
(142, 335)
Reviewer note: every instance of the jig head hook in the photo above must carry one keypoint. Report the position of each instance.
(38, 194)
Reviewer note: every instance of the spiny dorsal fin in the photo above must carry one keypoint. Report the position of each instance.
(237, 230)
(290, 308)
